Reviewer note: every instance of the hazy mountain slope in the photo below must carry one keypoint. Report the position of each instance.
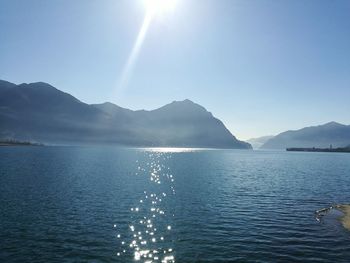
(5, 84)
(317, 136)
(187, 123)
(40, 112)
(260, 141)
(180, 123)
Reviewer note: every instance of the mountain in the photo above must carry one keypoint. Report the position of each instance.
(333, 133)
(258, 142)
(5, 84)
(39, 112)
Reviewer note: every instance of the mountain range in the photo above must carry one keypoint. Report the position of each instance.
(41, 113)
(322, 136)
(256, 143)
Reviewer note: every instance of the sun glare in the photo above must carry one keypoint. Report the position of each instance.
(156, 7)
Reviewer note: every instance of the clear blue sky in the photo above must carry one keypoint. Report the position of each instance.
(262, 67)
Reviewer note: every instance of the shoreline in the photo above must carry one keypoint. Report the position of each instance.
(345, 219)
(19, 144)
(328, 150)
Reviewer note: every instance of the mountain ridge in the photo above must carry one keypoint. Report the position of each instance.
(41, 112)
(259, 141)
(319, 136)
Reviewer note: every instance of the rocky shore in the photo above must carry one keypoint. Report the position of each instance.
(345, 219)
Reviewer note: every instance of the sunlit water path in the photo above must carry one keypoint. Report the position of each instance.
(150, 238)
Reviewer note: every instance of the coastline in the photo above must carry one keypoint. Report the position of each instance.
(345, 219)
(330, 150)
(16, 143)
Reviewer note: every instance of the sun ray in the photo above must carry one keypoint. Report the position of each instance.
(130, 64)
(153, 8)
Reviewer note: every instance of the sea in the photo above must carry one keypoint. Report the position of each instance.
(113, 204)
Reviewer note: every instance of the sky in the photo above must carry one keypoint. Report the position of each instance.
(261, 66)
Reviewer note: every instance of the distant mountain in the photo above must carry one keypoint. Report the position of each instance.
(335, 134)
(5, 84)
(260, 141)
(41, 113)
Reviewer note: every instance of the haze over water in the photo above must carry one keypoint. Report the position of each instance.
(106, 204)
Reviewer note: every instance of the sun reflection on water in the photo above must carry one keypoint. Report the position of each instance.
(171, 149)
(150, 232)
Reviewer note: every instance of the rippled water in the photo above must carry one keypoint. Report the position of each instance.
(105, 204)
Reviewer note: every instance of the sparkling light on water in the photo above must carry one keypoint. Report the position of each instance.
(150, 227)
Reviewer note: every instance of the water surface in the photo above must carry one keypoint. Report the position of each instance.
(106, 204)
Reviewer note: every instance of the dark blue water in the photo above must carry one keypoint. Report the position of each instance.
(105, 204)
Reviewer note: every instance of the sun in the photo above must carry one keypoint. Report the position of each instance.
(158, 7)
